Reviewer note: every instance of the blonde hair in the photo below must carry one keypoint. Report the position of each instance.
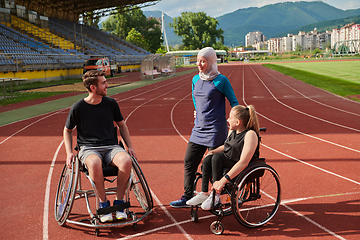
(248, 117)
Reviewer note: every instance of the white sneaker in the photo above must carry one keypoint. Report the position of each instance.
(121, 215)
(206, 205)
(106, 218)
(198, 199)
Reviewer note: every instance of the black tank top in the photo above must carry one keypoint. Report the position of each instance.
(234, 145)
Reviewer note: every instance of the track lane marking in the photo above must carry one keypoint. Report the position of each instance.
(289, 208)
(296, 110)
(311, 165)
(320, 103)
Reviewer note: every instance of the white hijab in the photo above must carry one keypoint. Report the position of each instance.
(211, 71)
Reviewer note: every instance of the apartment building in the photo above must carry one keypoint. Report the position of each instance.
(254, 37)
(302, 41)
(348, 35)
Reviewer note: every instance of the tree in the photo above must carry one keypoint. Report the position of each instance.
(136, 38)
(152, 34)
(124, 20)
(91, 18)
(197, 30)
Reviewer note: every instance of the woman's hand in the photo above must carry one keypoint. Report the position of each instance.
(218, 186)
(209, 153)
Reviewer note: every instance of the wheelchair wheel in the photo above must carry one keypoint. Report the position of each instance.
(217, 228)
(256, 198)
(65, 192)
(140, 187)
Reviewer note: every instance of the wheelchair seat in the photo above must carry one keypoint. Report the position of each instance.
(108, 171)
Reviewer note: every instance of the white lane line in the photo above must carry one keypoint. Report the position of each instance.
(289, 208)
(315, 197)
(296, 110)
(320, 103)
(337, 96)
(291, 129)
(165, 227)
(172, 118)
(47, 195)
(311, 165)
(47, 116)
(153, 89)
(313, 222)
(139, 106)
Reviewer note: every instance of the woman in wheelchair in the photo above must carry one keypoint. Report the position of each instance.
(239, 149)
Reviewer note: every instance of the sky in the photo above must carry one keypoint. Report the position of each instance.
(216, 8)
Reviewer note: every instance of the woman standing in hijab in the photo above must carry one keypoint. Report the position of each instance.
(209, 89)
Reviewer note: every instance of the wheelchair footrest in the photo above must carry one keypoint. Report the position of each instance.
(111, 209)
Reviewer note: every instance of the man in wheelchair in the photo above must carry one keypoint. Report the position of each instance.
(240, 148)
(94, 118)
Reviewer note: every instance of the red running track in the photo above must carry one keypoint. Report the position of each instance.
(312, 140)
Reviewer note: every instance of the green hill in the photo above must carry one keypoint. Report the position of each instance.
(323, 26)
(277, 18)
(273, 20)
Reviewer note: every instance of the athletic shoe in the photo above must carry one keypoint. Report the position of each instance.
(105, 217)
(181, 203)
(120, 215)
(206, 205)
(198, 199)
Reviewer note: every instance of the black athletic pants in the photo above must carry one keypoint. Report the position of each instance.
(193, 156)
(213, 165)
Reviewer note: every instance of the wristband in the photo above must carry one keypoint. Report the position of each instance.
(227, 177)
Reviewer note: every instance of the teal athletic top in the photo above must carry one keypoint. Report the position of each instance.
(211, 128)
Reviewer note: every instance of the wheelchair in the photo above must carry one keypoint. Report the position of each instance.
(70, 189)
(253, 196)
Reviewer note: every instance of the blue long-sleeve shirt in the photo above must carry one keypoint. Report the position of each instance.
(209, 101)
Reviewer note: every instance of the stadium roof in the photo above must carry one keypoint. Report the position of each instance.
(73, 8)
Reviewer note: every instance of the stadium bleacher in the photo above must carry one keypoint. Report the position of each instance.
(26, 46)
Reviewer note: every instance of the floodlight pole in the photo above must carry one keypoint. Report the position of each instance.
(163, 30)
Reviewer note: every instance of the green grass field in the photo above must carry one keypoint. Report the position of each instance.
(346, 70)
(338, 77)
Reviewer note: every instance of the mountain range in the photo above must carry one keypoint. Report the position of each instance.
(272, 20)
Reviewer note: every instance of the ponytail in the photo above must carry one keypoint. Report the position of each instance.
(253, 123)
(248, 117)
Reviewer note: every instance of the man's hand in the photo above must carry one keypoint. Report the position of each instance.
(131, 151)
(69, 159)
